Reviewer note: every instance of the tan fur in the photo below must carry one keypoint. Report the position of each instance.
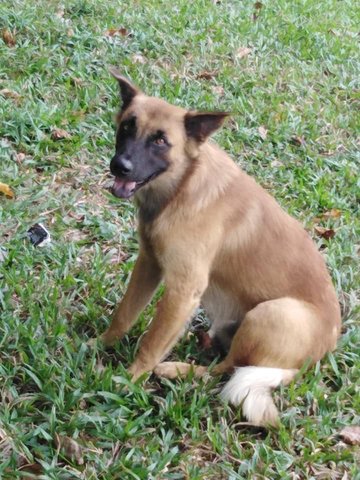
(214, 236)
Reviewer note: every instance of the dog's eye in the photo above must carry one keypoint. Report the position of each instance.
(159, 141)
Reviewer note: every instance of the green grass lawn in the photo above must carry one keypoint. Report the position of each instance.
(289, 72)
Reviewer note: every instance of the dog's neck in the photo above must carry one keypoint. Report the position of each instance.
(150, 204)
(197, 176)
(153, 199)
(213, 173)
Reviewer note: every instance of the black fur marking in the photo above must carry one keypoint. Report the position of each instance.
(138, 160)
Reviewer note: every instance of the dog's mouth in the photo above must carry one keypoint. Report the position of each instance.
(125, 188)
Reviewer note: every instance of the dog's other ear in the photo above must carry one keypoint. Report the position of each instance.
(127, 89)
(199, 125)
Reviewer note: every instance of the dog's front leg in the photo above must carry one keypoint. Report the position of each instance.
(144, 280)
(180, 300)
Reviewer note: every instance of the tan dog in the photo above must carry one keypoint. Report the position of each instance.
(214, 236)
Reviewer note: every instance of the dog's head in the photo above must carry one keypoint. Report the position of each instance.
(152, 140)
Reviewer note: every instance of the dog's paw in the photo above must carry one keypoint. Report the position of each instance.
(109, 338)
(173, 370)
(136, 371)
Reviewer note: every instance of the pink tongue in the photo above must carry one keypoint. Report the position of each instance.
(122, 188)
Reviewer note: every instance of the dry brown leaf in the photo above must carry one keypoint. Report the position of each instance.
(333, 213)
(297, 140)
(351, 434)
(242, 52)
(77, 81)
(206, 75)
(59, 134)
(324, 232)
(258, 6)
(263, 132)
(69, 448)
(5, 92)
(8, 37)
(6, 190)
(78, 217)
(117, 32)
(33, 468)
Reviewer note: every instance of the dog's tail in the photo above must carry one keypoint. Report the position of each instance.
(251, 387)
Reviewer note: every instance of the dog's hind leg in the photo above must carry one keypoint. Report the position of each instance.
(275, 339)
(225, 315)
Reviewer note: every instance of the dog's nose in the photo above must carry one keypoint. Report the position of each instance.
(121, 166)
(125, 166)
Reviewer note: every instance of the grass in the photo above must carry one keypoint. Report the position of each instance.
(299, 81)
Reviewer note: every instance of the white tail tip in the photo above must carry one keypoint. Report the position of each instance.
(251, 388)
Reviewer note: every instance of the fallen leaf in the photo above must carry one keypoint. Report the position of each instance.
(351, 434)
(206, 75)
(242, 52)
(218, 90)
(20, 157)
(333, 213)
(78, 217)
(262, 132)
(297, 140)
(69, 448)
(100, 367)
(6, 190)
(117, 32)
(276, 163)
(5, 92)
(59, 134)
(258, 6)
(324, 232)
(76, 81)
(8, 37)
(34, 468)
(138, 58)
(60, 12)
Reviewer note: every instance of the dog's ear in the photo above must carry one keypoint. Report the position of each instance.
(127, 89)
(199, 125)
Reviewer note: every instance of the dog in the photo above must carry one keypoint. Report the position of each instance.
(213, 236)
